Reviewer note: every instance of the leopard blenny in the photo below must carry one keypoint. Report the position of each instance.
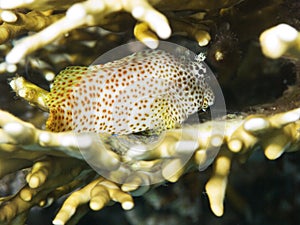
(148, 90)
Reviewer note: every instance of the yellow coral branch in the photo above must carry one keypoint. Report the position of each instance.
(275, 134)
(90, 13)
(143, 33)
(98, 193)
(281, 40)
(30, 92)
(199, 32)
(216, 186)
(36, 4)
(18, 23)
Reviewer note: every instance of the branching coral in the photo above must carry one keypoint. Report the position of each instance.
(274, 134)
(93, 12)
(281, 40)
(55, 162)
(87, 14)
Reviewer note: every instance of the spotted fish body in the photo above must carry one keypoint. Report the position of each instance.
(148, 90)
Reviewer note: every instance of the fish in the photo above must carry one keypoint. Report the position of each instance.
(150, 90)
